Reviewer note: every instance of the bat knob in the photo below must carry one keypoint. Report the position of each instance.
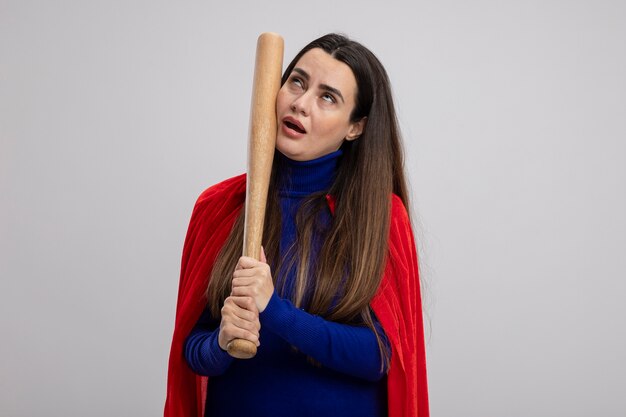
(241, 349)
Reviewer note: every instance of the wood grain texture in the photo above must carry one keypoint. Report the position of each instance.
(261, 145)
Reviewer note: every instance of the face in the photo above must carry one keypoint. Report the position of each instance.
(314, 107)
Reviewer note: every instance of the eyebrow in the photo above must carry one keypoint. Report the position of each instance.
(324, 87)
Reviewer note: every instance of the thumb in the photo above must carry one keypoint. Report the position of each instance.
(263, 258)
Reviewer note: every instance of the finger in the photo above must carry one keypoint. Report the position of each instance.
(243, 281)
(247, 262)
(243, 314)
(263, 258)
(238, 266)
(244, 291)
(245, 272)
(252, 324)
(231, 309)
(245, 302)
(241, 306)
(259, 269)
(233, 332)
(242, 319)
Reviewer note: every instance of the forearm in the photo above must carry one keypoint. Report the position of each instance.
(352, 350)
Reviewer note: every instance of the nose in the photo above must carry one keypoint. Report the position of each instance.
(301, 104)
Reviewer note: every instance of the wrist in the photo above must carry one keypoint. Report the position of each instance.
(264, 303)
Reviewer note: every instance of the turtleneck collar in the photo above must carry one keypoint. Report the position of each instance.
(301, 178)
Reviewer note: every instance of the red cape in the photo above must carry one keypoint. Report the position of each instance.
(397, 304)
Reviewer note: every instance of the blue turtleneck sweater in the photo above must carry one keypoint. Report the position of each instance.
(280, 380)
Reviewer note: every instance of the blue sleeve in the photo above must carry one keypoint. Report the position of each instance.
(202, 350)
(352, 350)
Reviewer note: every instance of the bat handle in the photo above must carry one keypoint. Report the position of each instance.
(241, 349)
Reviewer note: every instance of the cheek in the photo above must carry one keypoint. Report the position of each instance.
(281, 100)
(336, 126)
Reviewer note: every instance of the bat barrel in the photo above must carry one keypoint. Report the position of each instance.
(262, 137)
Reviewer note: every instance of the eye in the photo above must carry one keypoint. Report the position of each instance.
(296, 81)
(329, 98)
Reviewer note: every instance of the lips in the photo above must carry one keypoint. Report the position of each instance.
(293, 124)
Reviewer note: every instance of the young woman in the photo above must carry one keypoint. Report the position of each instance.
(334, 304)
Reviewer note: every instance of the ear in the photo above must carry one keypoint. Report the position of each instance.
(356, 129)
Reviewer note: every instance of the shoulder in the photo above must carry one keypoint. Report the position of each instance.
(230, 189)
(399, 212)
(401, 239)
(215, 211)
(219, 202)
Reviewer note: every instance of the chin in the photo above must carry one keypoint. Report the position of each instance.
(293, 157)
(287, 150)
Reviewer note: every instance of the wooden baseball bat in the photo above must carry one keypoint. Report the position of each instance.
(261, 144)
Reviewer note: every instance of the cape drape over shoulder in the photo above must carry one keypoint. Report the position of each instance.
(397, 304)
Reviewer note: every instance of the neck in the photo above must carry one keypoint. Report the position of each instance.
(307, 177)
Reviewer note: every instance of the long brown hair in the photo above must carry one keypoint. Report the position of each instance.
(341, 282)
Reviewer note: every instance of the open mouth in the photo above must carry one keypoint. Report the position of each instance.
(294, 126)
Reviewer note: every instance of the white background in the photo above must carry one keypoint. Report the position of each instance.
(115, 115)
